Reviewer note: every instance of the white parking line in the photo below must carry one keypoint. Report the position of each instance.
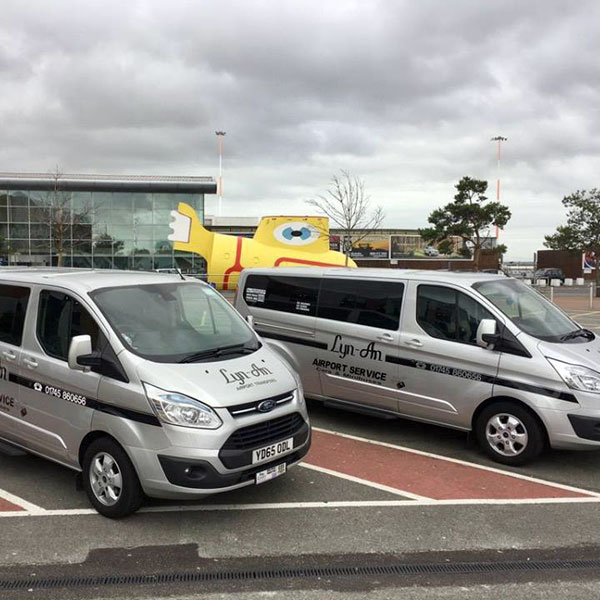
(76, 512)
(377, 486)
(594, 312)
(462, 462)
(26, 506)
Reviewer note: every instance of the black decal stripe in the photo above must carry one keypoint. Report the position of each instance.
(516, 385)
(292, 339)
(111, 409)
(28, 383)
(127, 413)
(527, 387)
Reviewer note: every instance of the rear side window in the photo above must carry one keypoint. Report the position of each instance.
(447, 314)
(13, 306)
(370, 303)
(286, 294)
(60, 318)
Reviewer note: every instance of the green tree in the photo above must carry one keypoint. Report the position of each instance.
(446, 247)
(468, 217)
(582, 230)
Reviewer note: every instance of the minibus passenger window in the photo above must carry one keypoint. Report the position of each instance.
(13, 306)
(60, 318)
(447, 314)
(436, 311)
(370, 303)
(286, 294)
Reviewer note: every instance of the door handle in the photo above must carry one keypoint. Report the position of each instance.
(30, 363)
(386, 337)
(9, 355)
(415, 343)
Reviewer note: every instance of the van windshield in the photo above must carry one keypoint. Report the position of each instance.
(176, 322)
(531, 312)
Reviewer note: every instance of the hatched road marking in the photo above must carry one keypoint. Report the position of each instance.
(9, 503)
(419, 478)
(426, 474)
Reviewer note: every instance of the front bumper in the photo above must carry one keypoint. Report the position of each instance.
(179, 472)
(200, 474)
(572, 430)
(587, 428)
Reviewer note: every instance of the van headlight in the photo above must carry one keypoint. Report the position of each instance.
(299, 388)
(577, 377)
(177, 409)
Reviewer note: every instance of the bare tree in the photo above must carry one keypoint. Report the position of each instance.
(349, 208)
(62, 217)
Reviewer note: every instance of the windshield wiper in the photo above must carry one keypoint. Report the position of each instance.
(586, 333)
(218, 352)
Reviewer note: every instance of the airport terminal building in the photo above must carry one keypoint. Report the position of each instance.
(99, 221)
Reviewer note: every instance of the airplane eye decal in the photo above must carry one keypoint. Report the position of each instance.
(296, 234)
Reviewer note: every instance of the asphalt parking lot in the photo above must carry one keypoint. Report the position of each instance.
(369, 489)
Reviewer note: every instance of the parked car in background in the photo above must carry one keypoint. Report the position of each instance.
(431, 251)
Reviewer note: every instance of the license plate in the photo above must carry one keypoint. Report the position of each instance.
(272, 451)
(270, 473)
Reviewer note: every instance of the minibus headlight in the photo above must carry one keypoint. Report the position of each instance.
(177, 409)
(577, 377)
(299, 386)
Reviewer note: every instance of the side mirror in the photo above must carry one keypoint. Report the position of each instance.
(81, 357)
(250, 321)
(486, 333)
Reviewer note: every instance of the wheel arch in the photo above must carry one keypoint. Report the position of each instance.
(90, 438)
(520, 403)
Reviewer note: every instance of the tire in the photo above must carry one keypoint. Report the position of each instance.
(509, 433)
(110, 480)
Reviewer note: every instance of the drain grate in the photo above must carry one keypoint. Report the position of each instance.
(460, 568)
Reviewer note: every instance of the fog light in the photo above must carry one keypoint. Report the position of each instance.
(194, 472)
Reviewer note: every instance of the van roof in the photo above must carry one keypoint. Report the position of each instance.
(466, 278)
(83, 280)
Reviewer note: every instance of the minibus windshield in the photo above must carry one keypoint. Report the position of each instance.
(176, 322)
(531, 312)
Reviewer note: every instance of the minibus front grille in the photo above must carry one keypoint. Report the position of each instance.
(265, 433)
(252, 407)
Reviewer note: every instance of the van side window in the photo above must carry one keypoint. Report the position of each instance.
(370, 303)
(447, 314)
(286, 294)
(61, 317)
(13, 306)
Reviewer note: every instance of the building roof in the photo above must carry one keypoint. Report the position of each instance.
(108, 183)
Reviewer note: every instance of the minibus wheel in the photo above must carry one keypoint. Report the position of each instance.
(509, 433)
(110, 480)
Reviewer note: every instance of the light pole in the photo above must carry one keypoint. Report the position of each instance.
(498, 139)
(220, 136)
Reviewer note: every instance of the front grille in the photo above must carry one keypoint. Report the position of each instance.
(251, 407)
(264, 433)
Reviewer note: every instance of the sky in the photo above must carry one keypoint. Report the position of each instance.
(403, 94)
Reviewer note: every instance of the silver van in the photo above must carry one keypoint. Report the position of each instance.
(147, 383)
(464, 350)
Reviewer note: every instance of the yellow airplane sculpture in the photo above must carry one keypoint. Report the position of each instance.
(278, 241)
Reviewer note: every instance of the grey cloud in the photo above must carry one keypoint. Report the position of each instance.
(404, 94)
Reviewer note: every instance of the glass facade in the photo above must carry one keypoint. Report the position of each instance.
(123, 230)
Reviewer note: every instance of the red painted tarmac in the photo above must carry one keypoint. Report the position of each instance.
(422, 475)
(6, 506)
